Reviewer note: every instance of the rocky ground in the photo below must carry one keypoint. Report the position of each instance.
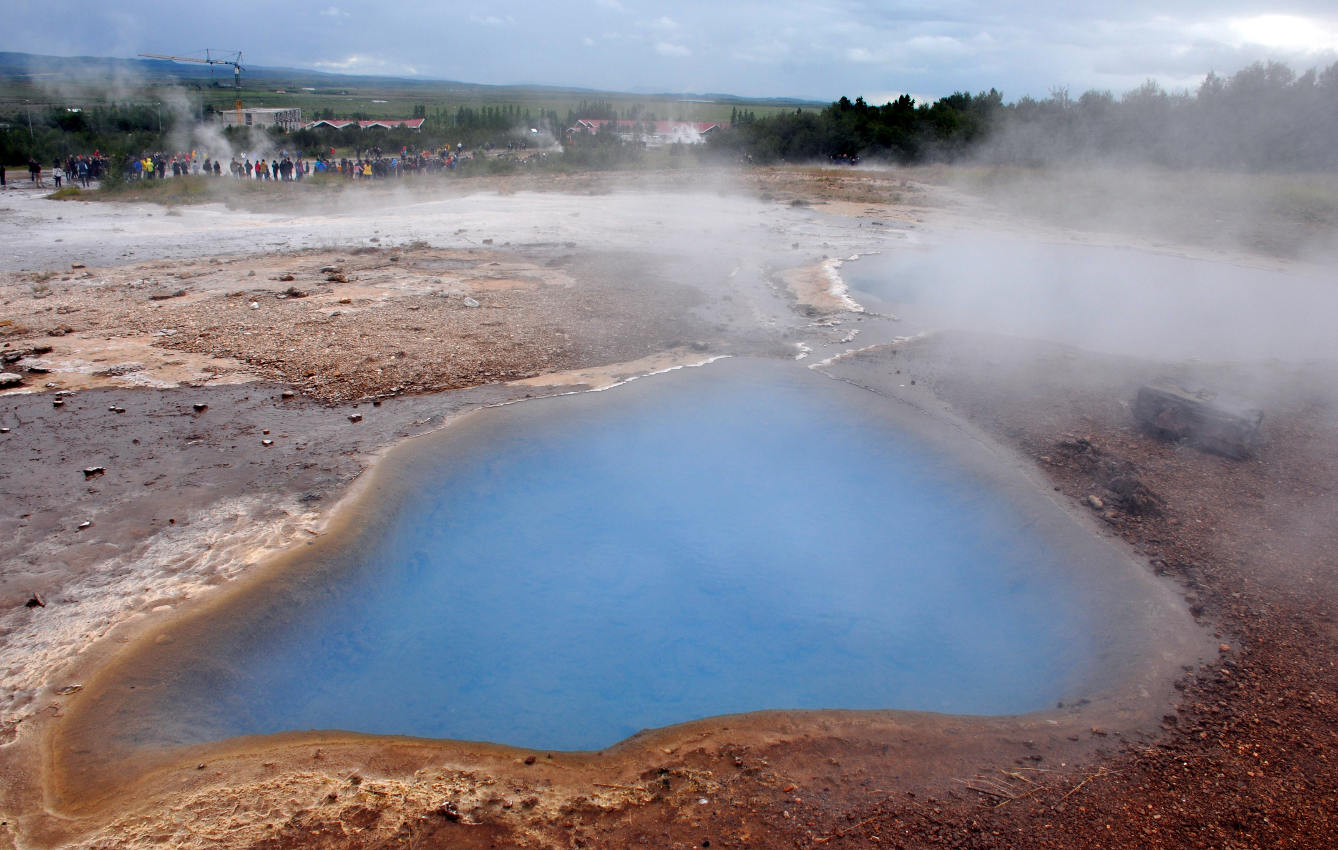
(198, 434)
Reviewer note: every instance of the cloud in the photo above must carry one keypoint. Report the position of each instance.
(665, 48)
(333, 12)
(363, 64)
(1288, 32)
(614, 5)
(493, 20)
(664, 22)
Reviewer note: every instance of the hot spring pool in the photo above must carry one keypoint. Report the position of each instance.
(562, 573)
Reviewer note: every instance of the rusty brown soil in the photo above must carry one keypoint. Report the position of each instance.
(1242, 756)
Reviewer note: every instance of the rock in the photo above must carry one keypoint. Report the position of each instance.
(287, 394)
(37, 367)
(255, 305)
(449, 811)
(294, 292)
(287, 276)
(530, 759)
(69, 689)
(1200, 417)
(336, 277)
(34, 601)
(470, 302)
(266, 443)
(78, 266)
(60, 402)
(88, 523)
(9, 379)
(39, 350)
(251, 273)
(11, 356)
(163, 296)
(1095, 503)
(199, 407)
(94, 471)
(355, 417)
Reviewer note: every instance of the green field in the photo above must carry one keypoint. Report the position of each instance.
(353, 97)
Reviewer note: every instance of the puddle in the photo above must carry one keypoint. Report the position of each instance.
(562, 573)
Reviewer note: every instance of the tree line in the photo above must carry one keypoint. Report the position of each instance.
(1263, 117)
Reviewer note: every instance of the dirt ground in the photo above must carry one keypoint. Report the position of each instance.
(199, 435)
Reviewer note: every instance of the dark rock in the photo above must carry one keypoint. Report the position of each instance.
(34, 601)
(163, 296)
(355, 417)
(1202, 418)
(449, 811)
(294, 292)
(530, 759)
(199, 407)
(285, 277)
(94, 472)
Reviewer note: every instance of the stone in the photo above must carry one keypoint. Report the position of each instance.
(35, 601)
(287, 276)
(470, 302)
(9, 379)
(94, 471)
(287, 394)
(255, 305)
(1200, 417)
(355, 417)
(336, 277)
(266, 443)
(199, 407)
(88, 523)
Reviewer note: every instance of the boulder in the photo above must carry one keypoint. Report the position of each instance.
(1200, 417)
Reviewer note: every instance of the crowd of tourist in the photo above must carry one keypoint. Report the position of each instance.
(366, 164)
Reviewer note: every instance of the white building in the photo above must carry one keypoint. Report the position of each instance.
(262, 116)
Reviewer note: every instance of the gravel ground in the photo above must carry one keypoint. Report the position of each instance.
(190, 498)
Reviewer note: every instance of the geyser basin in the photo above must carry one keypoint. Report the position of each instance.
(563, 573)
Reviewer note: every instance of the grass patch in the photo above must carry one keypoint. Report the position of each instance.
(66, 193)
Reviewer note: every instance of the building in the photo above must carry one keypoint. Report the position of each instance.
(263, 116)
(389, 123)
(652, 133)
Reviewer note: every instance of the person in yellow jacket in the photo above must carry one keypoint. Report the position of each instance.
(148, 167)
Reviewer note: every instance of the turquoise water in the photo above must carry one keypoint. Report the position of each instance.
(563, 573)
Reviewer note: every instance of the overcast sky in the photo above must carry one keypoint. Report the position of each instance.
(818, 50)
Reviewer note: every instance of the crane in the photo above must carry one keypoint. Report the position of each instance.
(233, 58)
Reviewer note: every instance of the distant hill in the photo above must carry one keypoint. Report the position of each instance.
(38, 69)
